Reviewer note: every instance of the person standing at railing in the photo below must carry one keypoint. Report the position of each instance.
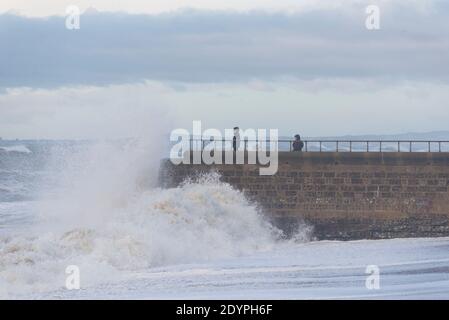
(236, 139)
(298, 145)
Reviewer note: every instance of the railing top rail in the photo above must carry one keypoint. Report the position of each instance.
(335, 140)
(328, 145)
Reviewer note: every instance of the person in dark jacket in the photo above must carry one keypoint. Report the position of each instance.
(298, 145)
(236, 139)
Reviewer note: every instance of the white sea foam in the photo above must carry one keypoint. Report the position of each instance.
(18, 148)
(108, 218)
(196, 222)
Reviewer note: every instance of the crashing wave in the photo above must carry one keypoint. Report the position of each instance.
(195, 222)
(18, 149)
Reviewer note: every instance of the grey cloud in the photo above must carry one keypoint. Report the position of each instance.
(215, 46)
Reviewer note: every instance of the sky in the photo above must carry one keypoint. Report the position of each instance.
(299, 66)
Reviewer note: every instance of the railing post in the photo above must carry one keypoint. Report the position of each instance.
(367, 146)
(350, 146)
(380, 146)
(410, 146)
(399, 146)
(429, 147)
(337, 145)
(320, 146)
(306, 146)
(439, 146)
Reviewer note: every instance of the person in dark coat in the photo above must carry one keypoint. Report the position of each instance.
(236, 139)
(298, 145)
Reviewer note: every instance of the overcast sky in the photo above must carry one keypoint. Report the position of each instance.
(300, 66)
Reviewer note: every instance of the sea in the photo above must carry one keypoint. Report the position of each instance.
(94, 210)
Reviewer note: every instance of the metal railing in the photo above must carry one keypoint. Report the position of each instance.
(330, 145)
(376, 146)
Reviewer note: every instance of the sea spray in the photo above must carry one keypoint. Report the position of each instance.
(108, 218)
(192, 223)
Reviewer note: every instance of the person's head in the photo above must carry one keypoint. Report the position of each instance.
(297, 137)
(236, 130)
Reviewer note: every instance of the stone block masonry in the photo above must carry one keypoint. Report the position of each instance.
(344, 196)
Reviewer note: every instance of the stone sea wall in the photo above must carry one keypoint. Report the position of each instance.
(344, 195)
